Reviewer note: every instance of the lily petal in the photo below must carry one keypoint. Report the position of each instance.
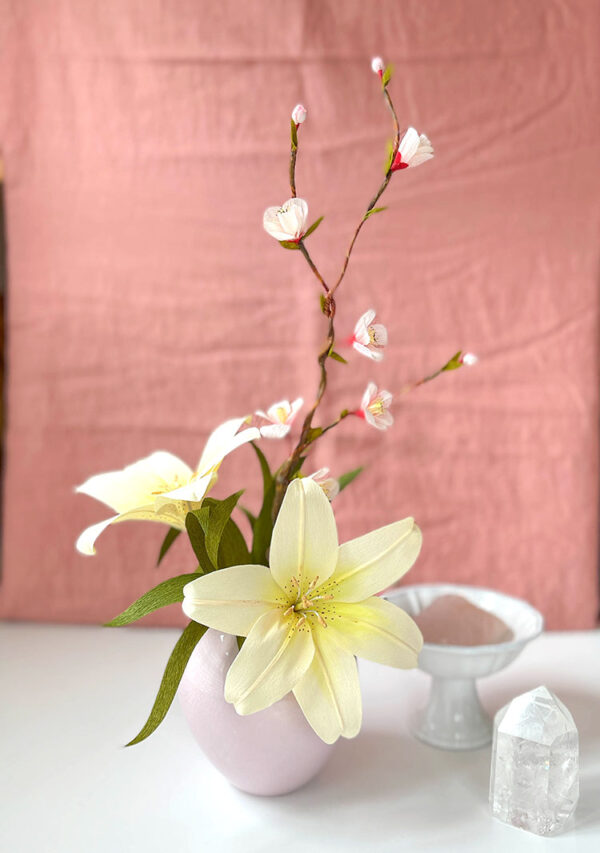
(134, 485)
(274, 657)
(329, 691)
(373, 562)
(305, 543)
(195, 490)
(168, 514)
(86, 542)
(377, 630)
(223, 440)
(232, 599)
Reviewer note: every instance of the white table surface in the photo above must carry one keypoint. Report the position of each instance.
(71, 695)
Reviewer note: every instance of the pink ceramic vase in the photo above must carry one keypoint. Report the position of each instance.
(271, 752)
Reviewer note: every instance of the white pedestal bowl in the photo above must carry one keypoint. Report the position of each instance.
(454, 717)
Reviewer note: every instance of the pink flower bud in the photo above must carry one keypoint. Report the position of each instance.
(298, 114)
(468, 359)
(378, 65)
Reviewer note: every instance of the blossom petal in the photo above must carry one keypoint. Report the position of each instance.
(377, 630)
(305, 543)
(380, 334)
(232, 599)
(329, 691)
(274, 657)
(292, 217)
(375, 354)
(295, 407)
(409, 145)
(272, 225)
(275, 430)
(222, 441)
(369, 393)
(134, 485)
(421, 157)
(375, 561)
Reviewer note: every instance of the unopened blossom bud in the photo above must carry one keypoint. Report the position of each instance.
(298, 114)
(469, 359)
(378, 65)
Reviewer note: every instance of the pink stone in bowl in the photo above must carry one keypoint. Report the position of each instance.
(453, 620)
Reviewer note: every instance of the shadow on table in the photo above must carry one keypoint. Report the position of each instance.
(379, 773)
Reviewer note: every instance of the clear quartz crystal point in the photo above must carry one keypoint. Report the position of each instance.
(534, 781)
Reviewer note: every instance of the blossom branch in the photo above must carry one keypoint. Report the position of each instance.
(380, 191)
(309, 434)
(312, 265)
(460, 359)
(298, 116)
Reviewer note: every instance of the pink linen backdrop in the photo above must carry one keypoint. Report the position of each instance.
(142, 142)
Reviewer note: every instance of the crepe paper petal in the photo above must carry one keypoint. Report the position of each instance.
(275, 655)
(305, 543)
(233, 599)
(373, 562)
(377, 630)
(329, 691)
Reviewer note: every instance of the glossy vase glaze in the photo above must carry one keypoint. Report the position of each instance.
(269, 753)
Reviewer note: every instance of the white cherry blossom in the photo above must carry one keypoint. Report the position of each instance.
(287, 222)
(330, 485)
(374, 407)
(369, 338)
(280, 417)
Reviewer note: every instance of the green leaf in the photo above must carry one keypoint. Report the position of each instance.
(250, 516)
(165, 593)
(387, 75)
(198, 540)
(347, 478)
(313, 433)
(454, 362)
(233, 550)
(218, 516)
(171, 677)
(323, 303)
(289, 244)
(171, 536)
(313, 227)
(263, 527)
(373, 210)
(337, 357)
(390, 156)
(294, 134)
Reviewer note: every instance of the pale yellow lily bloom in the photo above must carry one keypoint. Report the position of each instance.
(161, 487)
(308, 615)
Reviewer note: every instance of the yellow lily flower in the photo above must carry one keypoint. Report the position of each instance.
(161, 487)
(311, 612)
